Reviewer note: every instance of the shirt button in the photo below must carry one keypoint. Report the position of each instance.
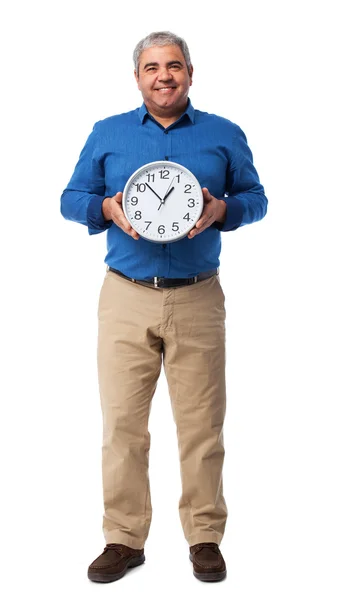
(166, 158)
(166, 132)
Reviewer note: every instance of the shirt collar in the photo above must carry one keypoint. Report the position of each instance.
(190, 112)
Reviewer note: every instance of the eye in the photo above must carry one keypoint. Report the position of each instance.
(151, 69)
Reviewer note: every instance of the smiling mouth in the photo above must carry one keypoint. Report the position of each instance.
(165, 88)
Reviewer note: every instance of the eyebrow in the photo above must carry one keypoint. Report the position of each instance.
(156, 64)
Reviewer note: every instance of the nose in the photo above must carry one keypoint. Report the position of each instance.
(164, 74)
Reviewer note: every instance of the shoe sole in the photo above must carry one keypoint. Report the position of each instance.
(219, 576)
(108, 577)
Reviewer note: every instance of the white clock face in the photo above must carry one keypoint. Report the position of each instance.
(162, 201)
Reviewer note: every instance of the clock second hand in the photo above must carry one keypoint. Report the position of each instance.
(167, 193)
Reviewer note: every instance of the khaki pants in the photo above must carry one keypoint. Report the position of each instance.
(139, 326)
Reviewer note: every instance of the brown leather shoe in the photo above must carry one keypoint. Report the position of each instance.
(114, 562)
(208, 562)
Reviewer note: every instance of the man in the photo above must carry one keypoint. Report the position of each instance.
(180, 319)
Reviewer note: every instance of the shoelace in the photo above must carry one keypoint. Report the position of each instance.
(117, 547)
(211, 545)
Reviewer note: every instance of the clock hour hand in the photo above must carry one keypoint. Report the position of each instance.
(166, 195)
(152, 190)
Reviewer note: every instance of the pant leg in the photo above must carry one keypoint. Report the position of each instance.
(129, 363)
(194, 362)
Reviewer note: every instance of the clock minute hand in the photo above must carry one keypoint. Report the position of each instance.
(166, 195)
(167, 192)
(152, 190)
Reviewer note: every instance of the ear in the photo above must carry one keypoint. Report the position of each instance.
(191, 70)
(137, 78)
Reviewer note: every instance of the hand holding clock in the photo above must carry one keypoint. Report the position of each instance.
(213, 210)
(192, 210)
(112, 211)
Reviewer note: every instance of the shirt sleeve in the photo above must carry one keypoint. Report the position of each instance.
(81, 201)
(245, 197)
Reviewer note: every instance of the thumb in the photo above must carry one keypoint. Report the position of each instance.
(206, 195)
(118, 197)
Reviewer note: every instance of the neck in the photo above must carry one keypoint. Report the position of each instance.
(164, 117)
(166, 122)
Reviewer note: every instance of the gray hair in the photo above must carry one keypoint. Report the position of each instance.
(161, 38)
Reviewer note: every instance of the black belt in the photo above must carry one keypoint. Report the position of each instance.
(163, 282)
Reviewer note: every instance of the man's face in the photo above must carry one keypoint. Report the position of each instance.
(164, 80)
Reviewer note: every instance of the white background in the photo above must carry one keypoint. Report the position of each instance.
(273, 68)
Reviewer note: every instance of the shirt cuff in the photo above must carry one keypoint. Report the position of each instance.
(95, 218)
(234, 214)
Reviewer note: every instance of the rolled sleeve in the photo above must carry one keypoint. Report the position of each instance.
(81, 201)
(95, 218)
(234, 215)
(245, 197)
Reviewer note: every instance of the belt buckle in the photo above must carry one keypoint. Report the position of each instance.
(158, 282)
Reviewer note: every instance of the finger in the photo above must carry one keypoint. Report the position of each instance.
(125, 225)
(201, 225)
(120, 219)
(206, 214)
(119, 215)
(130, 231)
(127, 228)
(204, 221)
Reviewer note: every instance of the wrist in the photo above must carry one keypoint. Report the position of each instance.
(222, 211)
(106, 210)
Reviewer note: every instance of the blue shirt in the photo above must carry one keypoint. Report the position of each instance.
(213, 148)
